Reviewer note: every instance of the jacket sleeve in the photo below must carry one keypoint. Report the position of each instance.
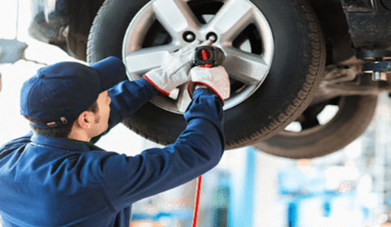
(197, 150)
(127, 97)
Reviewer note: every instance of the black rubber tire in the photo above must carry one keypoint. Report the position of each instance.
(352, 119)
(298, 65)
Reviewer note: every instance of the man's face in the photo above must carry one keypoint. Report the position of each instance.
(103, 114)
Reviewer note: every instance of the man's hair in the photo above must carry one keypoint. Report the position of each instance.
(59, 132)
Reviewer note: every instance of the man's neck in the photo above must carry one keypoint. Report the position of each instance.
(79, 135)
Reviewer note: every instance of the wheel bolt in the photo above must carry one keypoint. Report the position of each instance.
(212, 36)
(189, 36)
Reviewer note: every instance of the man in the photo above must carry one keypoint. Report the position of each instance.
(57, 177)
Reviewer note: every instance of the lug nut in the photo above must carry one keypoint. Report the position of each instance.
(189, 36)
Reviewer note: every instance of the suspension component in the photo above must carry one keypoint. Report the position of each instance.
(379, 70)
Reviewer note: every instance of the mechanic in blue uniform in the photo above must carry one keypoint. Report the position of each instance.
(56, 177)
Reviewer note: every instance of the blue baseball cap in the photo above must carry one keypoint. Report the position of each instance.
(59, 93)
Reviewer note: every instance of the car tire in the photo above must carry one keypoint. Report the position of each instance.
(297, 67)
(354, 115)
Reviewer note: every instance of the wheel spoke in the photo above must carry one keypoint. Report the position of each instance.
(143, 60)
(183, 98)
(175, 16)
(245, 67)
(231, 19)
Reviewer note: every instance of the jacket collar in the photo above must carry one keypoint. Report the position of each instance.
(63, 143)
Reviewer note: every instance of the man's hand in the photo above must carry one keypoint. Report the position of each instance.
(215, 78)
(174, 70)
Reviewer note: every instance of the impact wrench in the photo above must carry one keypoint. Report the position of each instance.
(207, 57)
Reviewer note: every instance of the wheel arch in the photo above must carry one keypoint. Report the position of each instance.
(82, 14)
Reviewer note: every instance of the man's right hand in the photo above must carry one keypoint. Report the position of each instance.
(215, 78)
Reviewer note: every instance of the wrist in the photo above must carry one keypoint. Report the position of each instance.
(208, 92)
(166, 93)
(209, 89)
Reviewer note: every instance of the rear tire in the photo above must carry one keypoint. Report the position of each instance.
(352, 119)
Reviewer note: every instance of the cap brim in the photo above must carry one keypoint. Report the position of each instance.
(111, 71)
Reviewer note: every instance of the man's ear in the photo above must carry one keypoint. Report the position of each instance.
(84, 120)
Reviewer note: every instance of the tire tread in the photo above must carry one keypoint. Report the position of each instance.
(316, 68)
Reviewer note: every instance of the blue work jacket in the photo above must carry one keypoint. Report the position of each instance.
(61, 182)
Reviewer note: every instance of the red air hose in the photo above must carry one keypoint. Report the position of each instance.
(197, 201)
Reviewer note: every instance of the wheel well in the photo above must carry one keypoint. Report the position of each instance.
(335, 29)
(82, 15)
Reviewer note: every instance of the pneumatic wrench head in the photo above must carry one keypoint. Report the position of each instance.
(208, 56)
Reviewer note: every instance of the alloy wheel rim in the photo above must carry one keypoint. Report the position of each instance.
(241, 31)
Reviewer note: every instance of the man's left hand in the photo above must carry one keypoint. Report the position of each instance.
(175, 69)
